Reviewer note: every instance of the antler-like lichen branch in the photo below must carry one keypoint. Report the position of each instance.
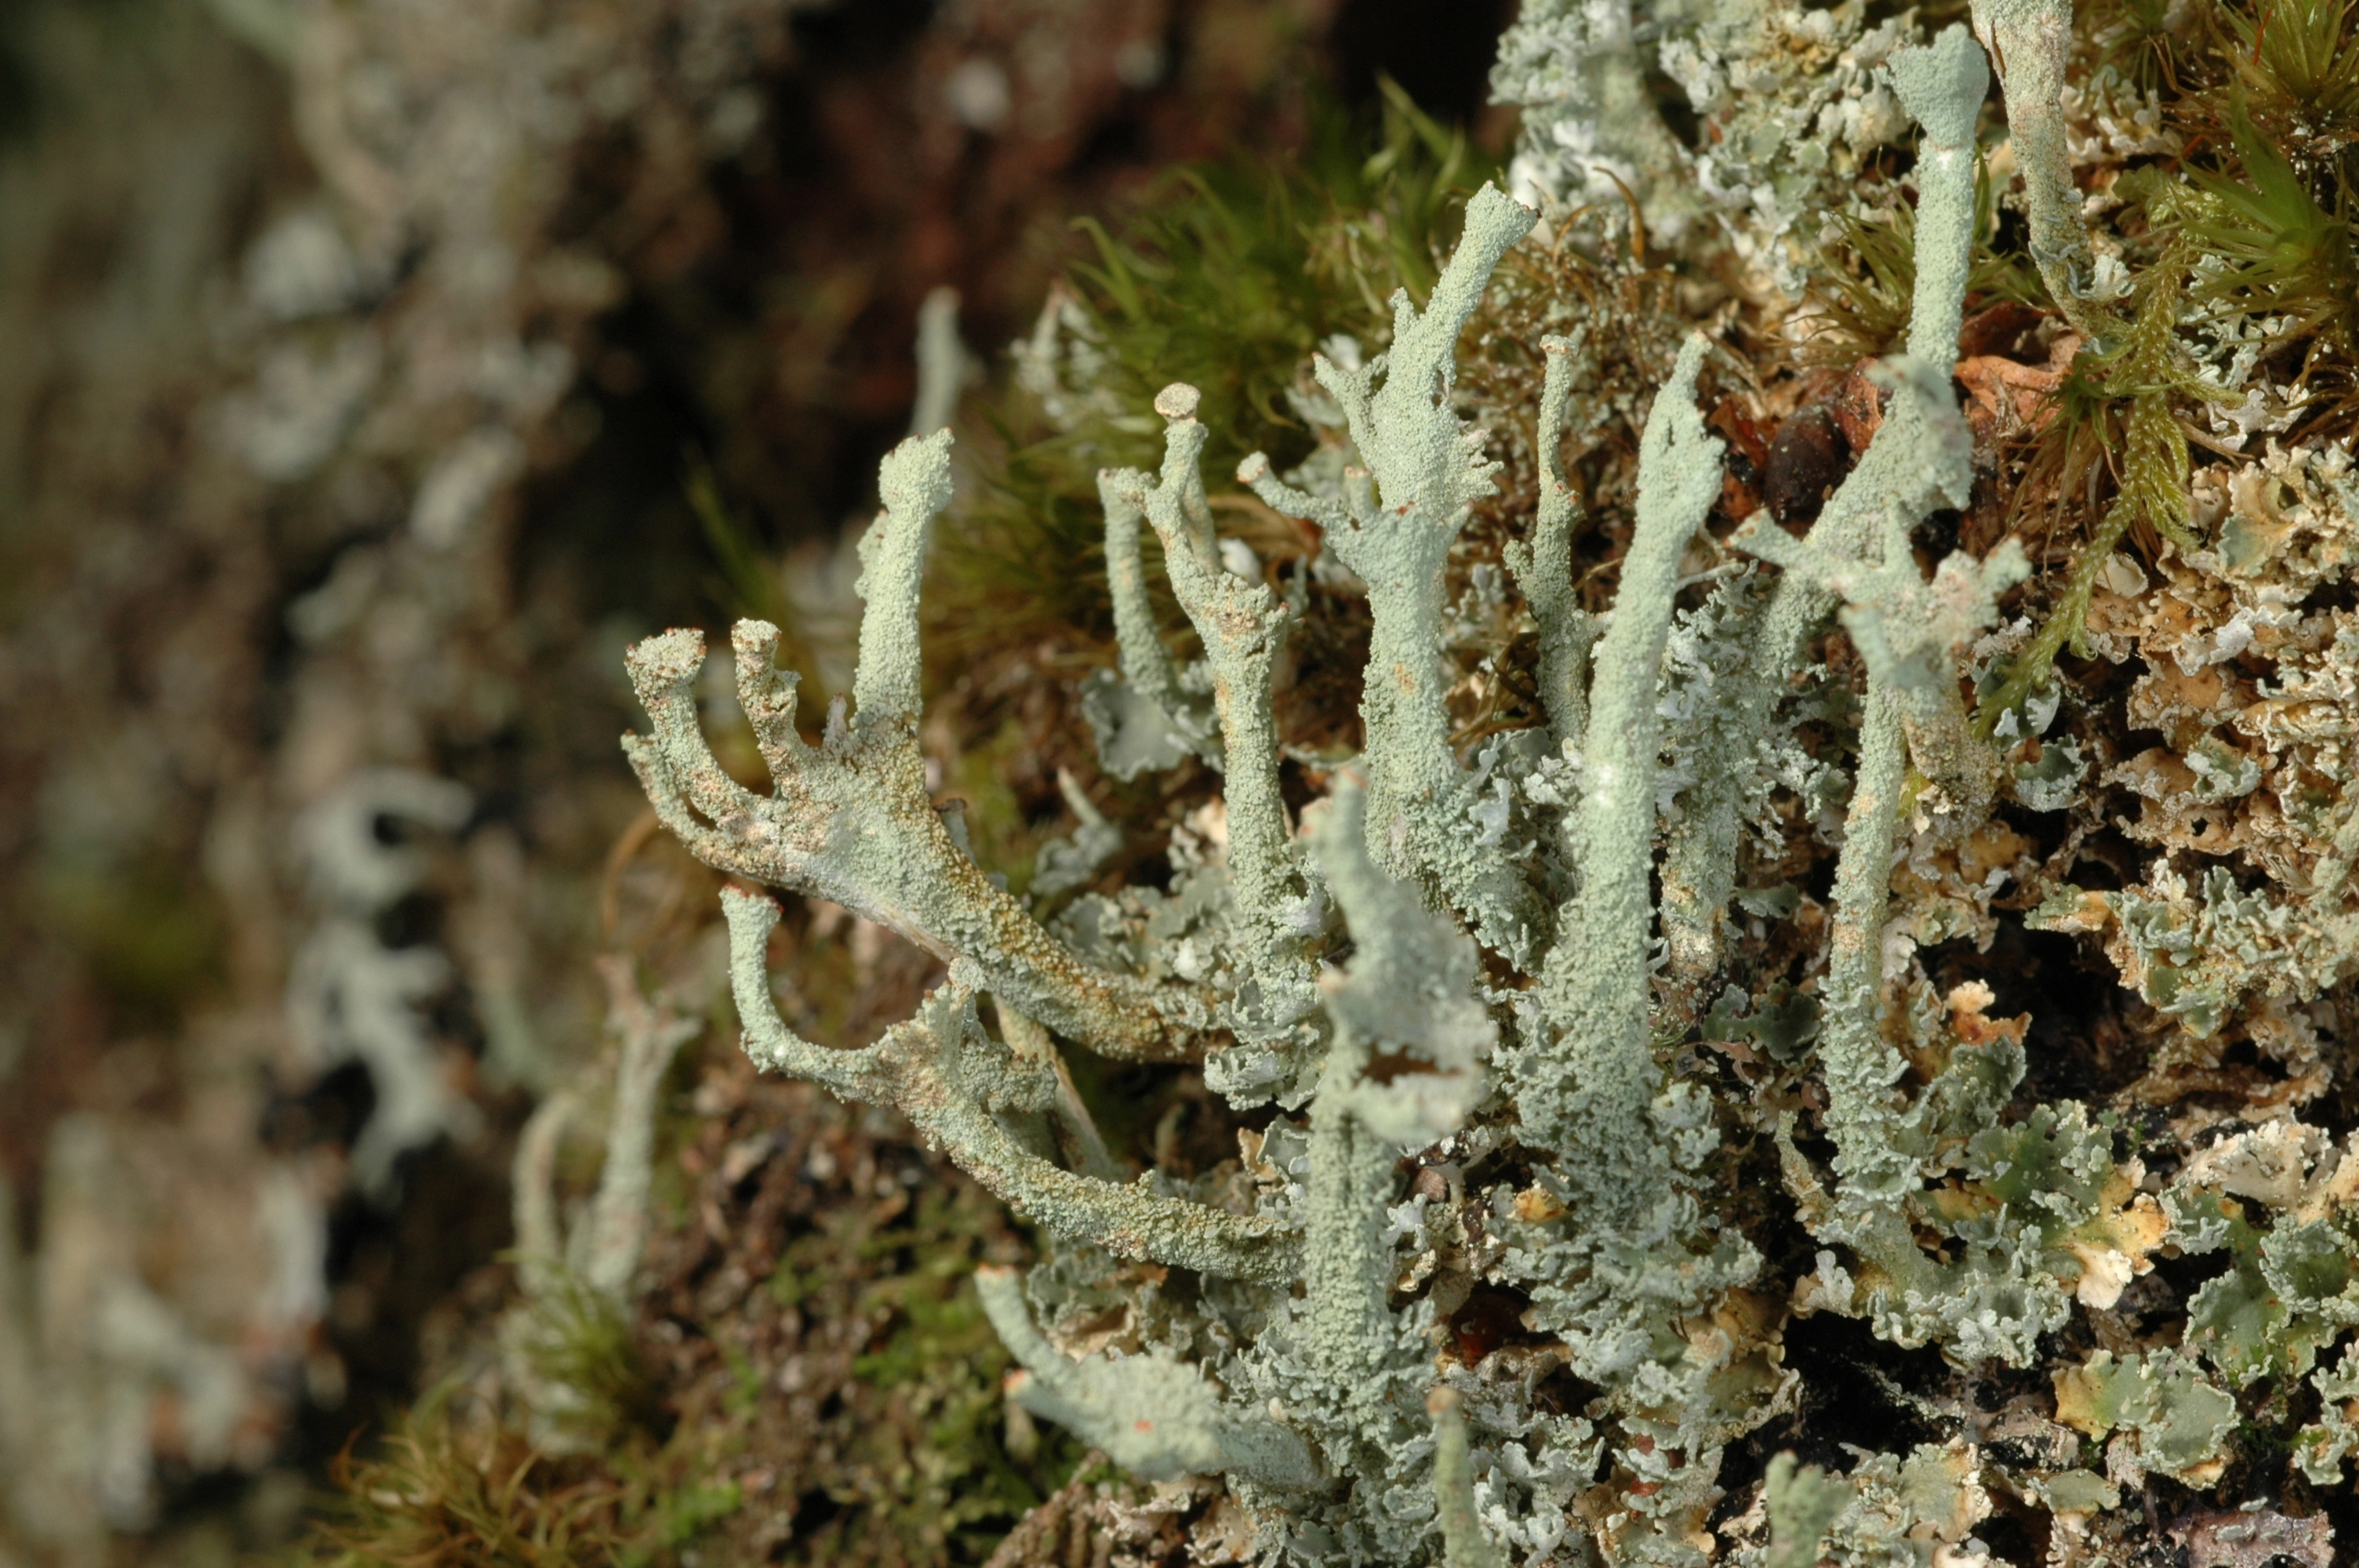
(1406, 999)
(851, 819)
(2032, 42)
(1908, 631)
(1543, 565)
(954, 1083)
(1243, 626)
(1148, 719)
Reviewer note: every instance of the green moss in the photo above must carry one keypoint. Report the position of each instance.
(2287, 252)
(1232, 280)
(912, 1455)
(449, 1485)
(690, 1511)
(579, 1338)
(926, 1476)
(745, 1393)
(2134, 38)
(2301, 71)
(1030, 543)
(747, 583)
(2114, 408)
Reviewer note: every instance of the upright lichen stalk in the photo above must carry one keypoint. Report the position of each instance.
(1588, 1086)
(1394, 528)
(1242, 627)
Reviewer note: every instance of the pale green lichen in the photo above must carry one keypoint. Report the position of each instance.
(851, 819)
(1463, 1544)
(2032, 41)
(1146, 717)
(970, 1095)
(2173, 1418)
(1890, 1509)
(1394, 530)
(567, 1346)
(1577, 69)
(1244, 627)
(1587, 1077)
(1543, 564)
(1802, 1505)
(1469, 992)
(1150, 1414)
(2277, 1200)
(2325, 1443)
(2194, 949)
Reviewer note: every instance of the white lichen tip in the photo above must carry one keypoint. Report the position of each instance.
(661, 662)
(915, 476)
(1942, 84)
(1177, 401)
(915, 481)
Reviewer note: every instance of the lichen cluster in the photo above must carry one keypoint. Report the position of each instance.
(1663, 974)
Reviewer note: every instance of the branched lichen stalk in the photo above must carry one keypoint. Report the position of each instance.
(1243, 626)
(915, 481)
(851, 819)
(1587, 1092)
(1396, 533)
(1146, 666)
(1406, 992)
(1347, 1266)
(946, 1076)
(1908, 631)
(1942, 85)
